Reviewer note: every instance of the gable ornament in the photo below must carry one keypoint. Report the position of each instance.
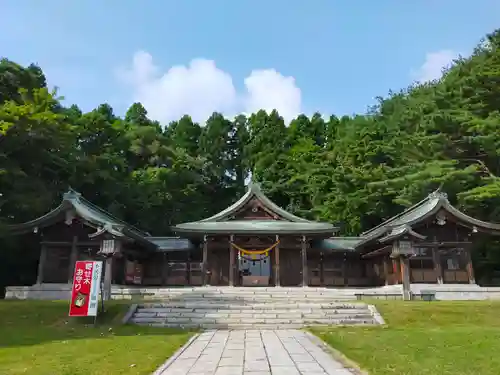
(441, 218)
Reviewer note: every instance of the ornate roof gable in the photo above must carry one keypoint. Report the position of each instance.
(255, 200)
(437, 204)
(255, 213)
(74, 205)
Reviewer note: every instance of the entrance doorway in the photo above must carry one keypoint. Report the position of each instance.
(254, 270)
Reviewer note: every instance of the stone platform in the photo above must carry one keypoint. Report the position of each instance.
(443, 291)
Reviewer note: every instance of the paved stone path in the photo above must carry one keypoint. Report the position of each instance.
(254, 352)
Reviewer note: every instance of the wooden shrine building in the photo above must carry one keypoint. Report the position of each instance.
(256, 243)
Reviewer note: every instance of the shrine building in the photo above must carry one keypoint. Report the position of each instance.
(256, 243)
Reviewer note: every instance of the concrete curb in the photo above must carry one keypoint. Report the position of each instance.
(176, 355)
(130, 313)
(348, 364)
(376, 315)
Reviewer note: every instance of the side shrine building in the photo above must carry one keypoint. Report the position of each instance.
(256, 243)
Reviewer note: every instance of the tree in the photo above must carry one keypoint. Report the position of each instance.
(352, 170)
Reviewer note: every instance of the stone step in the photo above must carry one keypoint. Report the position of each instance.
(263, 294)
(250, 308)
(268, 294)
(229, 313)
(264, 314)
(263, 299)
(152, 307)
(252, 293)
(315, 321)
(226, 289)
(249, 326)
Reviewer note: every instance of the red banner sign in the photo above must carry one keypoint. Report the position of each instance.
(86, 286)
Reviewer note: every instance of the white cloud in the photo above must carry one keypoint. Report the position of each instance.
(433, 66)
(268, 90)
(201, 88)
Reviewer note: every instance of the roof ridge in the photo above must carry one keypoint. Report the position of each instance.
(435, 194)
(79, 197)
(254, 190)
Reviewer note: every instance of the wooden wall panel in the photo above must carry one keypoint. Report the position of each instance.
(57, 263)
(290, 267)
(218, 265)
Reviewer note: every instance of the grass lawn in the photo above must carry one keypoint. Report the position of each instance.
(37, 337)
(425, 338)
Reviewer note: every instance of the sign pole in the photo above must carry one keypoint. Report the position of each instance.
(102, 299)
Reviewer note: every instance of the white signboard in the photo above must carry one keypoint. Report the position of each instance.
(94, 289)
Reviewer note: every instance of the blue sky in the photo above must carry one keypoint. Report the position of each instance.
(297, 56)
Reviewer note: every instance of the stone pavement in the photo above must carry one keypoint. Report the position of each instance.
(257, 352)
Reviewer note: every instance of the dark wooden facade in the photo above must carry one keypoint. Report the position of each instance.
(62, 245)
(443, 257)
(438, 242)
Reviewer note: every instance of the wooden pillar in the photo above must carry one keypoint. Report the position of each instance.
(305, 280)
(321, 270)
(438, 270)
(108, 278)
(405, 276)
(164, 269)
(469, 266)
(232, 259)
(205, 260)
(397, 270)
(277, 281)
(41, 264)
(345, 276)
(386, 270)
(188, 268)
(72, 259)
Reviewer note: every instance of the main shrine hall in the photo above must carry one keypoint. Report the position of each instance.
(256, 243)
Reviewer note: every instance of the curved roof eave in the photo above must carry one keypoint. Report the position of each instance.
(397, 232)
(254, 227)
(443, 203)
(472, 221)
(432, 204)
(432, 199)
(432, 207)
(253, 231)
(41, 221)
(254, 190)
(91, 214)
(94, 214)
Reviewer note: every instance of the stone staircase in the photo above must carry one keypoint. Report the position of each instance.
(253, 308)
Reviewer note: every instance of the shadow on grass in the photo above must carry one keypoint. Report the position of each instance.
(25, 323)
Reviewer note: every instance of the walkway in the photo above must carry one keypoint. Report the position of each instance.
(259, 352)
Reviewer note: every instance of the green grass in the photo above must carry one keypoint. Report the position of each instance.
(425, 338)
(37, 337)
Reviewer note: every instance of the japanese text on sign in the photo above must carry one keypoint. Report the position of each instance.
(86, 287)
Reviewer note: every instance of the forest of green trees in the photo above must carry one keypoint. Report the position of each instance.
(354, 171)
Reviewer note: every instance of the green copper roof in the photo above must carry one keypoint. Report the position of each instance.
(222, 223)
(400, 231)
(338, 243)
(90, 213)
(254, 191)
(255, 227)
(431, 205)
(167, 244)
